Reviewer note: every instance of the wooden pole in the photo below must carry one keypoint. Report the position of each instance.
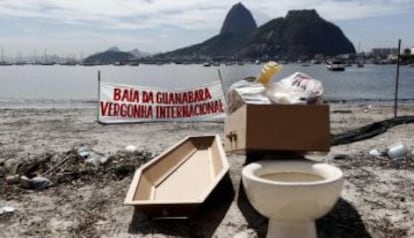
(222, 85)
(397, 79)
(99, 96)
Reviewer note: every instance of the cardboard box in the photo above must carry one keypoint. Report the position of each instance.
(174, 183)
(278, 128)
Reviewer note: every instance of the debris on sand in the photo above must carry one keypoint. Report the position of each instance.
(6, 209)
(36, 183)
(49, 169)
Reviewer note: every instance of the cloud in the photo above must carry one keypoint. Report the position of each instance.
(186, 14)
(158, 25)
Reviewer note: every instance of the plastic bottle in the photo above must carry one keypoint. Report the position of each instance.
(268, 71)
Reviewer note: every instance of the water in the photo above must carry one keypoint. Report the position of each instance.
(76, 86)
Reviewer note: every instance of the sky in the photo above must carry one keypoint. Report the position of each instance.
(81, 27)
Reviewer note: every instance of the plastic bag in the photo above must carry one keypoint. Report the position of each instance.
(297, 88)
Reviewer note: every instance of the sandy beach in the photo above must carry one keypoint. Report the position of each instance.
(377, 199)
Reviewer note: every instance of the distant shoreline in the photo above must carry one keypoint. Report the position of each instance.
(91, 104)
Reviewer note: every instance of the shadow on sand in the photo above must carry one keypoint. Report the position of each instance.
(202, 223)
(342, 221)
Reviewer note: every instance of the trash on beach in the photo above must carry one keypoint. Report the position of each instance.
(274, 127)
(96, 159)
(178, 180)
(91, 157)
(398, 151)
(374, 153)
(130, 148)
(297, 88)
(37, 183)
(6, 209)
(83, 152)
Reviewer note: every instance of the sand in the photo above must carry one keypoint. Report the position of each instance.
(377, 200)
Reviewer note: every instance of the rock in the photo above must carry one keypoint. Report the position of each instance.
(12, 179)
(40, 183)
(37, 183)
(24, 182)
(10, 166)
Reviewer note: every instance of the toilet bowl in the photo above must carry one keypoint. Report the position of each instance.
(292, 194)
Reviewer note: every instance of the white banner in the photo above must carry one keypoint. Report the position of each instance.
(119, 103)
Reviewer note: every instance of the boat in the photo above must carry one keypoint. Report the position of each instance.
(174, 183)
(315, 61)
(335, 65)
(133, 63)
(4, 63)
(206, 64)
(119, 63)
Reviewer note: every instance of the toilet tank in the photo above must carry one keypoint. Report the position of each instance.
(291, 128)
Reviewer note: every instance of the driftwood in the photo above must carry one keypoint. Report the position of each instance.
(57, 165)
(369, 131)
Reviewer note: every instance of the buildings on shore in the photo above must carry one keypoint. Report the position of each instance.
(375, 56)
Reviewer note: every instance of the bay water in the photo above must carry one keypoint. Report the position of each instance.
(58, 86)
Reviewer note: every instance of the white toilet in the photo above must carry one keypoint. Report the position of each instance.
(292, 194)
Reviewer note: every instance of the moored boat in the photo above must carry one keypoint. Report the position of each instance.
(335, 65)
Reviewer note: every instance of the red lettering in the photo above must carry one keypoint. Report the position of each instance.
(190, 97)
(117, 94)
(115, 110)
(104, 108)
(147, 97)
(207, 94)
(123, 110)
(158, 98)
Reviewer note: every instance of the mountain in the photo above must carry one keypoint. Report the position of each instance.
(239, 20)
(238, 24)
(114, 49)
(300, 33)
(110, 56)
(138, 54)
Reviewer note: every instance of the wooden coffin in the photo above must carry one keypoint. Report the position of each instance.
(174, 183)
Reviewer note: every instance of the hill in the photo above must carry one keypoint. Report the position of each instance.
(110, 56)
(238, 24)
(300, 33)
